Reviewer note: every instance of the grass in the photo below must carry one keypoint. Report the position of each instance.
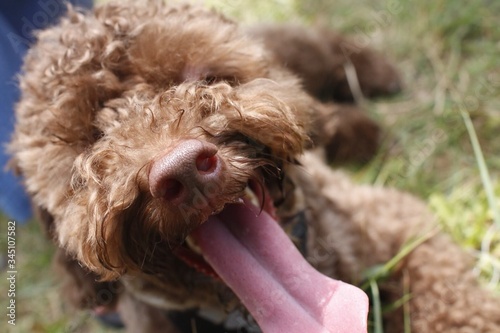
(441, 132)
(38, 305)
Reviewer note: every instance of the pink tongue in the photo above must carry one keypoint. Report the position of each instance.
(257, 260)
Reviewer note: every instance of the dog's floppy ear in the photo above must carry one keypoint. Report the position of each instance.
(46, 220)
(41, 214)
(81, 287)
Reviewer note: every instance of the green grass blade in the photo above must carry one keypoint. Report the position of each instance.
(377, 308)
(382, 271)
(483, 169)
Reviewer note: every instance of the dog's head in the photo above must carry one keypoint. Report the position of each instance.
(138, 122)
(144, 127)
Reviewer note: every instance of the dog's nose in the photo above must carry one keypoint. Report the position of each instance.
(188, 171)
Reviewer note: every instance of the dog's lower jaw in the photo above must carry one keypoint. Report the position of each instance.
(252, 255)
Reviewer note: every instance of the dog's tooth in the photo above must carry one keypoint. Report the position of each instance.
(251, 196)
(192, 245)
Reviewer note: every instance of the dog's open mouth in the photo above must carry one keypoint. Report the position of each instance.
(255, 195)
(245, 247)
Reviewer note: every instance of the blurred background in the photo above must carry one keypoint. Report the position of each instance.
(440, 143)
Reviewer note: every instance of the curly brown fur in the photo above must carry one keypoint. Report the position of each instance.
(107, 95)
(445, 295)
(345, 133)
(319, 56)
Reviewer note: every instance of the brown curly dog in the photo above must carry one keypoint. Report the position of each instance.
(168, 153)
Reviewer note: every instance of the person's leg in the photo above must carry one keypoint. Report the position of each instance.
(13, 200)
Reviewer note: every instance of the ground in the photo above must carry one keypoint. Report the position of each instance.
(441, 132)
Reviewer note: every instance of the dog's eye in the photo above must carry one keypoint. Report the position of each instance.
(213, 79)
(97, 134)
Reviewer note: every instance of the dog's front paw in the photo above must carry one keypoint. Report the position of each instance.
(345, 133)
